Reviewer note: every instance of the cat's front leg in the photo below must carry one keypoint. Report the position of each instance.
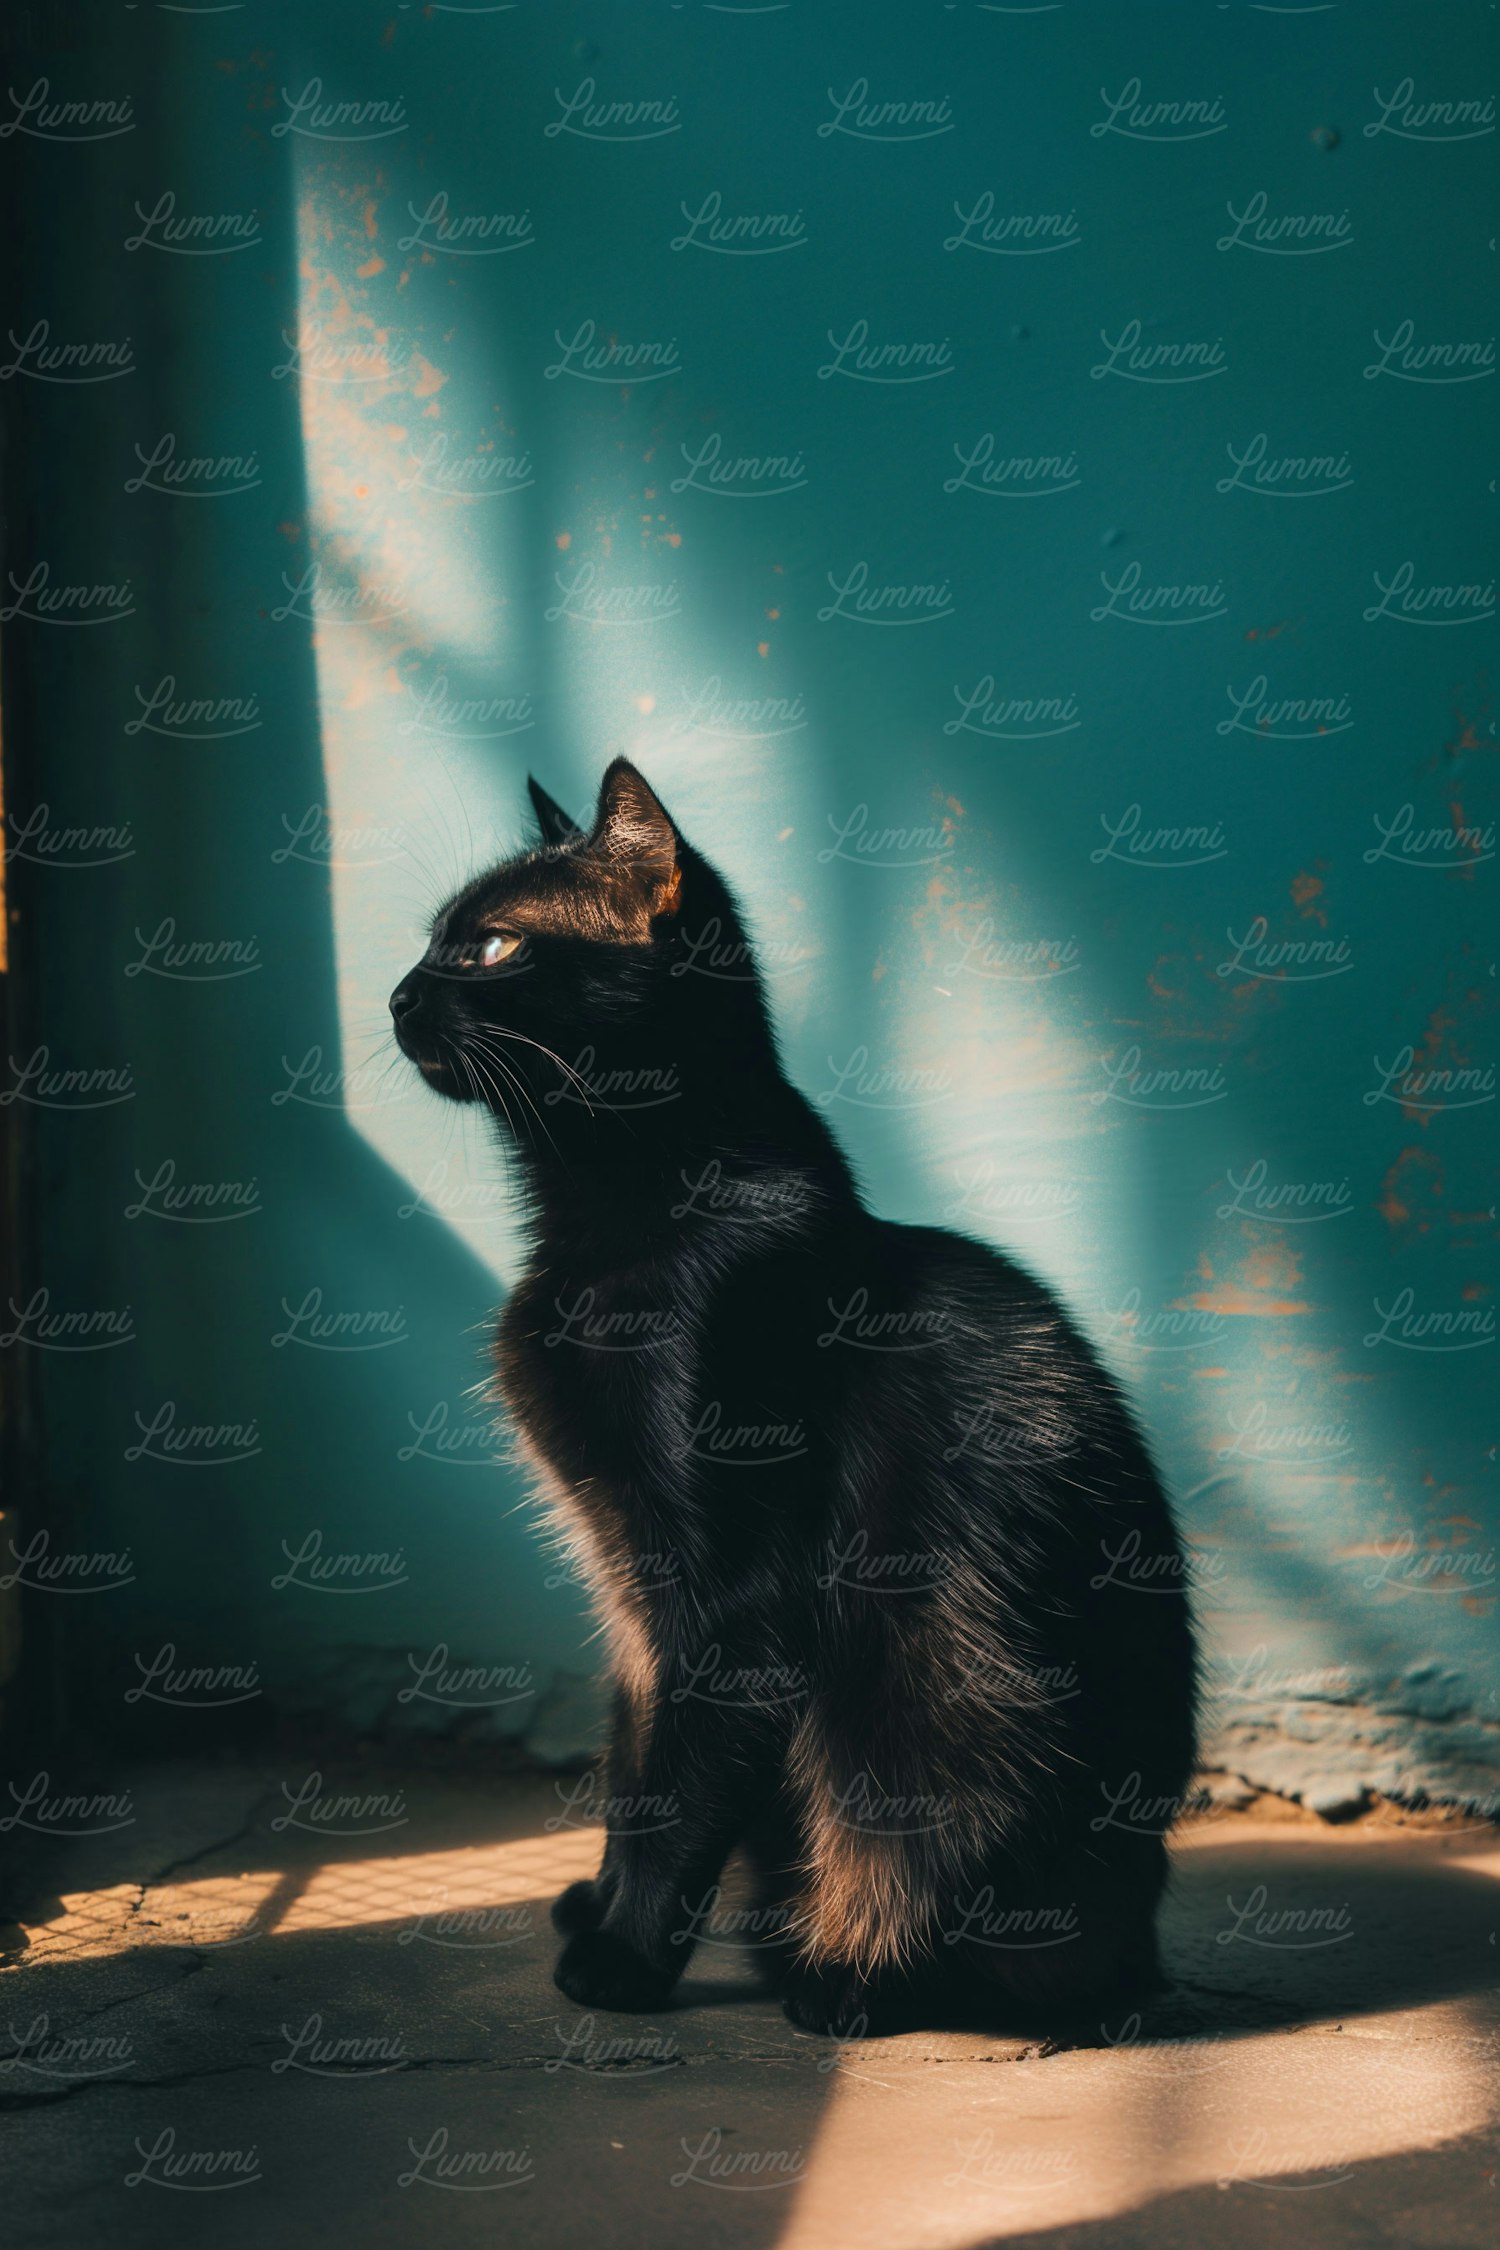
(583, 1905)
(634, 1953)
(670, 1834)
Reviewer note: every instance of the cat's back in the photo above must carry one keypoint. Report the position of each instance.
(968, 1366)
(951, 1290)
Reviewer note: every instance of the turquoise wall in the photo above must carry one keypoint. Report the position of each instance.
(1020, 482)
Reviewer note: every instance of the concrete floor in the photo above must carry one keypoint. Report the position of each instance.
(236, 2015)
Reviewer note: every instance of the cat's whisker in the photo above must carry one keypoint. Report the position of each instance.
(481, 1078)
(387, 1067)
(426, 868)
(462, 804)
(462, 1060)
(511, 1081)
(478, 1039)
(484, 1086)
(514, 1078)
(566, 1068)
(463, 867)
(484, 1039)
(476, 1065)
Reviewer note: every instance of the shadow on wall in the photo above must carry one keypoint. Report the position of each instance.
(275, 1469)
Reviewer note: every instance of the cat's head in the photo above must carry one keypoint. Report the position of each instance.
(574, 957)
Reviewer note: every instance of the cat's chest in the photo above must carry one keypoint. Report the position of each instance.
(587, 1383)
(595, 1371)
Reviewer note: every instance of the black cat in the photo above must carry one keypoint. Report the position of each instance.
(893, 1598)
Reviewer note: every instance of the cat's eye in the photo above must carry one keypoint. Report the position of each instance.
(499, 946)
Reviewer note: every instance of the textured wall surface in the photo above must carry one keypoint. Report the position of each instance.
(1020, 481)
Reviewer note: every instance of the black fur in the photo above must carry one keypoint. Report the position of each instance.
(894, 1598)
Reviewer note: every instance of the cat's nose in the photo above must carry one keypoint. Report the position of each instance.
(404, 998)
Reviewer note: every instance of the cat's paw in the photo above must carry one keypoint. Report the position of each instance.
(599, 1970)
(834, 2001)
(580, 1907)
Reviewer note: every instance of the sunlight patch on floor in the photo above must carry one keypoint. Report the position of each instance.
(360, 1893)
(1278, 2116)
(420, 1889)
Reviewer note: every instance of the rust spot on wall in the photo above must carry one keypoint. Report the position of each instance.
(1307, 892)
(1468, 835)
(1472, 728)
(1410, 1189)
(1258, 1291)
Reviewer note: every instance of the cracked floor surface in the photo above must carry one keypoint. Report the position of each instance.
(311, 2014)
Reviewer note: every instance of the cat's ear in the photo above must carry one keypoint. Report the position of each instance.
(634, 828)
(557, 828)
